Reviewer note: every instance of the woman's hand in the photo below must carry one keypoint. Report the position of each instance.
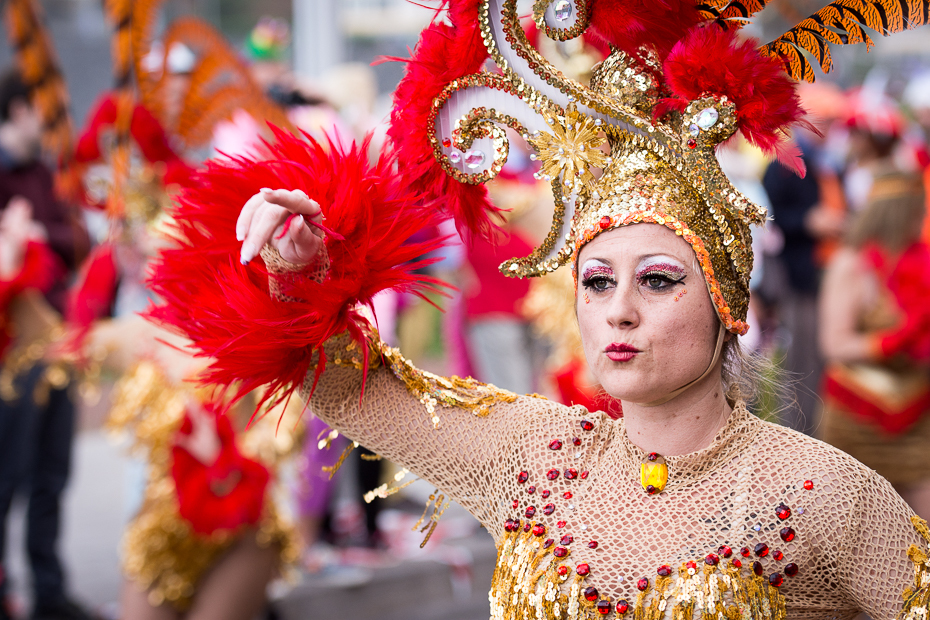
(279, 217)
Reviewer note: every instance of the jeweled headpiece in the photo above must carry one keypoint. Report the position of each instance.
(678, 83)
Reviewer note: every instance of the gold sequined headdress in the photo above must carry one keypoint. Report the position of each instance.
(678, 82)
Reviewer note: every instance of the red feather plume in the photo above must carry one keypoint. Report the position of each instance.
(630, 25)
(444, 53)
(713, 61)
(225, 308)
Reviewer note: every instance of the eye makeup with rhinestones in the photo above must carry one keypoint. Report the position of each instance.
(660, 273)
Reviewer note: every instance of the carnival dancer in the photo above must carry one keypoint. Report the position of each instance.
(876, 336)
(208, 537)
(688, 506)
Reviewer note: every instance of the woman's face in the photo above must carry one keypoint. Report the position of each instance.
(647, 322)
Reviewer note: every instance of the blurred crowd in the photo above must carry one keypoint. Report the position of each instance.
(841, 303)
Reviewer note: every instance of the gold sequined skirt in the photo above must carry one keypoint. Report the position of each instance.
(162, 555)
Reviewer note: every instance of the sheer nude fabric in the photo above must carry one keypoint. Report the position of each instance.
(852, 530)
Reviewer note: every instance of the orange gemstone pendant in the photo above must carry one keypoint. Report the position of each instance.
(653, 473)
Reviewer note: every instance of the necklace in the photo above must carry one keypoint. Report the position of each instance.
(653, 473)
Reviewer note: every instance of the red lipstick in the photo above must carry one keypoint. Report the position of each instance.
(621, 352)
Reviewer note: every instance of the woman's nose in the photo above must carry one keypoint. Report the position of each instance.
(623, 310)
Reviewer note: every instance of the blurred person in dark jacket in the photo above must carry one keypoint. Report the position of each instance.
(37, 415)
(804, 222)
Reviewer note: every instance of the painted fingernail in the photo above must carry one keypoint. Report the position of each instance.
(266, 190)
(247, 253)
(240, 236)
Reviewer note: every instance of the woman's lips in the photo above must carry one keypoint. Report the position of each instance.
(621, 352)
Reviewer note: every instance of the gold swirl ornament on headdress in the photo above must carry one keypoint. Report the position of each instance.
(660, 172)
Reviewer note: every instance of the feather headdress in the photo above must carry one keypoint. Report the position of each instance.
(680, 81)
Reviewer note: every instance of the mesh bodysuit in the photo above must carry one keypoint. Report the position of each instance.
(763, 523)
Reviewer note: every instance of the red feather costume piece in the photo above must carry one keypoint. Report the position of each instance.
(631, 25)
(710, 60)
(223, 495)
(225, 307)
(445, 52)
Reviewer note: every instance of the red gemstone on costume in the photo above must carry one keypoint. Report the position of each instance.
(571, 474)
(592, 544)
(527, 526)
(665, 570)
(782, 512)
(787, 534)
(530, 490)
(745, 552)
(736, 562)
(555, 444)
(692, 143)
(791, 569)
(576, 441)
(523, 476)
(776, 579)
(560, 524)
(642, 584)
(652, 456)
(809, 485)
(563, 570)
(530, 512)
(605, 222)
(567, 540)
(582, 569)
(603, 607)
(587, 425)
(539, 530)
(761, 550)
(651, 490)
(777, 555)
(560, 552)
(516, 504)
(584, 475)
(623, 606)
(567, 495)
(508, 525)
(549, 542)
(545, 494)
(552, 474)
(446, 142)
(590, 593)
(757, 568)
(548, 509)
(712, 559)
(691, 565)
(725, 551)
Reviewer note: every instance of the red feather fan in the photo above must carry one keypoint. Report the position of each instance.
(225, 308)
(444, 53)
(630, 25)
(710, 60)
(223, 495)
